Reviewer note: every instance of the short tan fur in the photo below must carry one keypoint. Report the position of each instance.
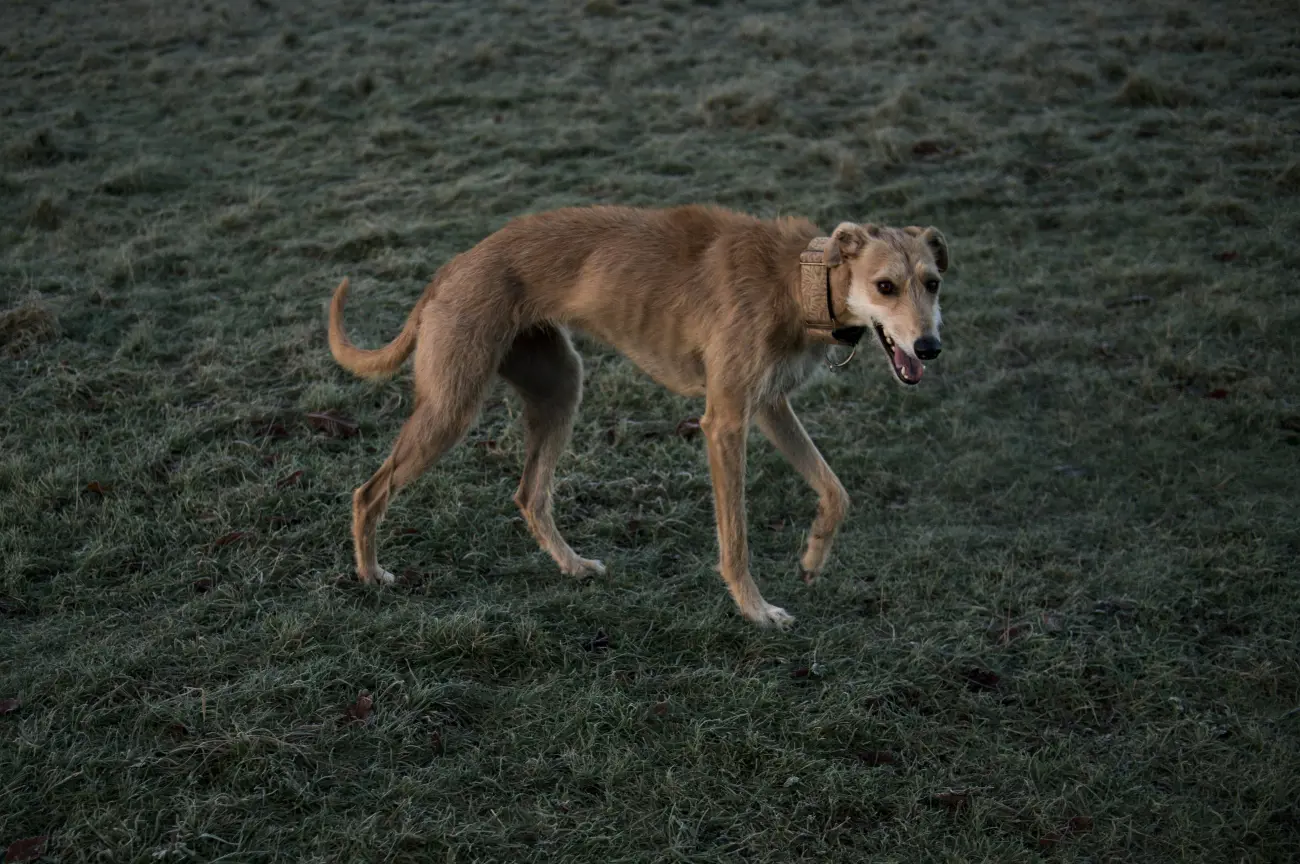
(705, 300)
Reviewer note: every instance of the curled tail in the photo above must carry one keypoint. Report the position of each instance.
(381, 361)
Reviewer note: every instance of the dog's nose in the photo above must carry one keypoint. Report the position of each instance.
(927, 347)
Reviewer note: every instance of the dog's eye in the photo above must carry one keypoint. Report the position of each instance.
(884, 286)
(932, 286)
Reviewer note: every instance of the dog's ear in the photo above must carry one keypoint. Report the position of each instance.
(847, 241)
(933, 238)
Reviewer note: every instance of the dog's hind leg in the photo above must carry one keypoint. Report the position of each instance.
(778, 422)
(546, 371)
(451, 376)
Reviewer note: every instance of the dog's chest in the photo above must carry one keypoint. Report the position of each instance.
(790, 373)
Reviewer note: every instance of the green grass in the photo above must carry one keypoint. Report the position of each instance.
(1065, 604)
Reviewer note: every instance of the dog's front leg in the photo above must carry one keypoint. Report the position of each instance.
(725, 425)
(779, 423)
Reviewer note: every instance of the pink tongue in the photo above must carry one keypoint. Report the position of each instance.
(912, 368)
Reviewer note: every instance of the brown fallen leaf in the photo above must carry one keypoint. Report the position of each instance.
(412, 577)
(1226, 256)
(1118, 606)
(94, 487)
(688, 428)
(659, 709)
(1131, 300)
(203, 585)
(359, 711)
(1080, 824)
(816, 670)
(876, 758)
(1076, 825)
(1147, 129)
(875, 606)
(271, 430)
(953, 800)
(437, 743)
(291, 480)
(926, 147)
(407, 532)
(1005, 634)
(227, 539)
(25, 850)
(981, 679)
(9, 706)
(1217, 393)
(177, 730)
(334, 424)
(597, 643)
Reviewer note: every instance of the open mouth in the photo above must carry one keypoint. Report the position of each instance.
(906, 367)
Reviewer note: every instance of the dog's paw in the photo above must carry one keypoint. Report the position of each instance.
(379, 577)
(581, 568)
(767, 615)
(813, 561)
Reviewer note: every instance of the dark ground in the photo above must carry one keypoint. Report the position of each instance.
(1061, 621)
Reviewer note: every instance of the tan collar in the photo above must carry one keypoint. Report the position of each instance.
(818, 301)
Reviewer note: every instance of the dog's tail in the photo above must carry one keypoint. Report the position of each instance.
(381, 361)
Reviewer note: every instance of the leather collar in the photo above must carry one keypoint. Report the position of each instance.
(817, 298)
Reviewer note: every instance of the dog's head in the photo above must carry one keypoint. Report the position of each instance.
(890, 279)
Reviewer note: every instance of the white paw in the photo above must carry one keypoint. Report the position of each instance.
(767, 615)
(379, 577)
(584, 567)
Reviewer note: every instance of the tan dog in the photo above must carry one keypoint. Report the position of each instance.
(708, 302)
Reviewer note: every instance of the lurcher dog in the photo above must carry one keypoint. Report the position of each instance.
(708, 302)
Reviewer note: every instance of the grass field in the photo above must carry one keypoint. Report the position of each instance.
(1061, 622)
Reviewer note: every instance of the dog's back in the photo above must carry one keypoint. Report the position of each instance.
(658, 285)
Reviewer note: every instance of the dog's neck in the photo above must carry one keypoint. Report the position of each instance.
(817, 298)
